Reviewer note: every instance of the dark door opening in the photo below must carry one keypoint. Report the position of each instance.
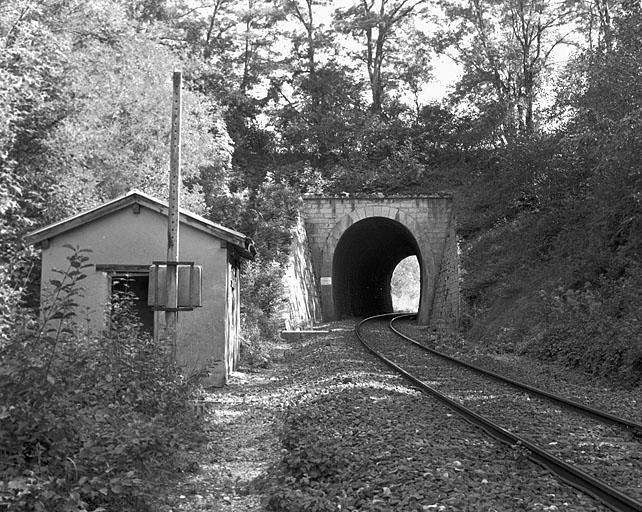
(135, 288)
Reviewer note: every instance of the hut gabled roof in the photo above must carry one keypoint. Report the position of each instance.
(243, 244)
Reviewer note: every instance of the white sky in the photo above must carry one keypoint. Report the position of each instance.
(445, 75)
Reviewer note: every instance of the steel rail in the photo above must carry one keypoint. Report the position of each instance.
(598, 414)
(611, 497)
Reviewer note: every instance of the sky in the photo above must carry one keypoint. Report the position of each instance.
(446, 74)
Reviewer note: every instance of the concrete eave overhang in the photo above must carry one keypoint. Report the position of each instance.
(241, 244)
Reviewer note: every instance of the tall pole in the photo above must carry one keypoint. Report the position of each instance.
(171, 315)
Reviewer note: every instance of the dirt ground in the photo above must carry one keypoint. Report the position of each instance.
(242, 421)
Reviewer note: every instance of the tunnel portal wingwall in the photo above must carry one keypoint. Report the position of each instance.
(354, 243)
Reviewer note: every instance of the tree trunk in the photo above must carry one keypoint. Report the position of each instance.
(605, 23)
(529, 93)
(376, 79)
(310, 30)
(246, 54)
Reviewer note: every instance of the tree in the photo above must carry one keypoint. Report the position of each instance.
(231, 41)
(596, 21)
(314, 98)
(87, 98)
(378, 24)
(602, 140)
(414, 68)
(308, 38)
(505, 48)
(118, 135)
(303, 11)
(33, 101)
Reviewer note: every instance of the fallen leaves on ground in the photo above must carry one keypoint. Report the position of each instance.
(326, 428)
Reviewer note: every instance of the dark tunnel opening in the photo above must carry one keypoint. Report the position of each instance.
(363, 263)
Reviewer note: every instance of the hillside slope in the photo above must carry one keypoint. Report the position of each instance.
(556, 277)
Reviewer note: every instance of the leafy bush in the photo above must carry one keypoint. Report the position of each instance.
(598, 330)
(262, 300)
(84, 419)
(313, 458)
(267, 215)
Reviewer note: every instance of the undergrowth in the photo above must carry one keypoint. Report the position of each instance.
(312, 460)
(262, 299)
(595, 329)
(86, 420)
(536, 289)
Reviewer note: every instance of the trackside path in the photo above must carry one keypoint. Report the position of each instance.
(326, 428)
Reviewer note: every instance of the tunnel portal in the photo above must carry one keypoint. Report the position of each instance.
(345, 250)
(364, 260)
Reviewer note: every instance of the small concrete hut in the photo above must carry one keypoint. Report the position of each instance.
(125, 236)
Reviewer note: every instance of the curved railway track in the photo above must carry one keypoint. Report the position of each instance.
(592, 450)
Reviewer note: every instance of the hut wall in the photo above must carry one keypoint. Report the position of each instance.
(233, 317)
(127, 238)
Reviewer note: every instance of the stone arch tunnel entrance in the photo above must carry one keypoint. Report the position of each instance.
(345, 250)
(363, 263)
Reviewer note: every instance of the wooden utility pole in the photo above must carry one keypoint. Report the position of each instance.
(171, 314)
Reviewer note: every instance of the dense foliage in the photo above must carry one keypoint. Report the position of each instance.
(86, 419)
(558, 230)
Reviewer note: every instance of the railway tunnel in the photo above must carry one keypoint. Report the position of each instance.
(363, 263)
(345, 251)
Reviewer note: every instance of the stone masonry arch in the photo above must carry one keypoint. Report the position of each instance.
(352, 220)
(347, 236)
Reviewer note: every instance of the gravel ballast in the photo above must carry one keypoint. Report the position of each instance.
(609, 453)
(328, 428)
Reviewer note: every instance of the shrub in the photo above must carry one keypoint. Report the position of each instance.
(84, 419)
(261, 312)
(597, 329)
(313, 458)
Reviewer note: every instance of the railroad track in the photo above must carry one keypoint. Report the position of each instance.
(592, 450)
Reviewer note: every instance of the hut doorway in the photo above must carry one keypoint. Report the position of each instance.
(133, 286)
